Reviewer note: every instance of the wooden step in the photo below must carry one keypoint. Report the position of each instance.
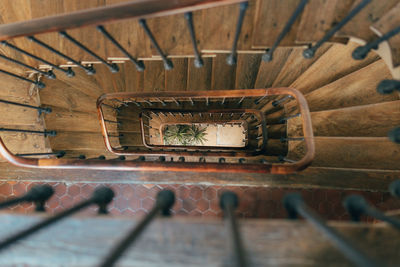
(270, 18)
(268, 71)
(199, 79)
(296, 64)
(276, 148)
(374, 120)
(351, 152)
(247, 70)
(276, 131)
(65, 120)
(218, 27)
(386, 23)
(358, 26)
(334, 64)
(131, 139)
(319, 17)
(357, 88)
(221, 69)
(176, 79)
(77, 141)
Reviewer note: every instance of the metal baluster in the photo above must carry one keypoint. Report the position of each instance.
(282, 120)
(39, 109)
(167, 62)
(268, 56)
(278, 102)
(162, 102)
(115, 122)
(283, 158)
(181, 159)
(119, 101)
(207, 102)
(394, 188)
(164, 202)
(191, 101)
(228, 203)
(310, 52)
(89, 70)
(59, 154)
(223, 101)
(241, 100)
(68, 71)
(39, 84)
(45, 133)
(259, 100)
(295, 205)
(176, 101)
(106, 105)
(148, 102)
(48, 74)
(285, 139)
(198, 61)
(138, 63)
(361, 52)
(38, 194)
(113, 67)
(394, 135)
(136, 103)
(232, 58)
(388, 86)
(357, 206)
(102, 197)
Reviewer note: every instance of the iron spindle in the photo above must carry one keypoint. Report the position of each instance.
(241, 100)
(282, 120)
(181, 159)
(278, 102)
(101, 197)
(114, 108)
(361, 52)
(45, 133)
(228, 203)
(198, 61)
(257, 101)
(148, 102)
(310, 52)
(164, 202)
(191, 101)
(112, 66)
(147, 116)
(162, 102)
(394, 188)
(285, 139)
(268, 56)
(48, 74)
(232, 58)
(283, 158)
(115, 122)
(242, 160)
(202, 159)
(67, 71)
(38, 194)
(119, 101)
(39, 84)
(394, 135)
(176, 101)
(39, 109)
(388, 86)
(295, 205)
(356, 205)
(89, 70)
(59, 154)
(138, 63)
(167, 62)
(136, 103)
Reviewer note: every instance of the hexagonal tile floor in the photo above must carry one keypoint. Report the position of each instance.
(196, 200)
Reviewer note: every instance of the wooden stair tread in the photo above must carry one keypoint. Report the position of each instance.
(77, 141)
(351, 152)
(247, 70)
(276, 131)
(270, 18)
(356, 88)
(319, 17)
(387, 23)
(199, 79)
(221, 69)
(295, 65)
(332, 65)
(268, 71)
(358, 26)
(374, 120)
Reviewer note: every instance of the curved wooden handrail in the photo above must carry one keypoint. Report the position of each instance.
(133, 165)
(106, 14)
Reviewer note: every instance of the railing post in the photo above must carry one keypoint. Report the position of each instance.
(295, 205)
(228, 203)
(198, 61)
(388, 86)
(232, 58)
(164, 202)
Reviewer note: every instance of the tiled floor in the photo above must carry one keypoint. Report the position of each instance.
(193, 200)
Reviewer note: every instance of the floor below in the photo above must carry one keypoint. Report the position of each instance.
(199, 200)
